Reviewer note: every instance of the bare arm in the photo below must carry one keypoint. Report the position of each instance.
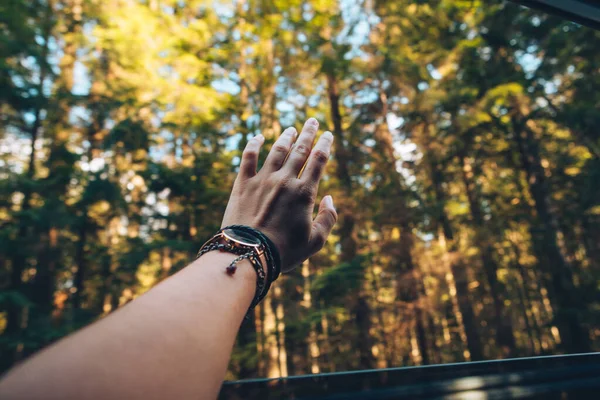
(175, 341)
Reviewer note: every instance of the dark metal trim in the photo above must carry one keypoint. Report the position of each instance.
(537, 361)
(584, 12)
(546, 377)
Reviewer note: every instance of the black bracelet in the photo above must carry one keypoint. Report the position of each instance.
(275, 264)
(261, 283)
(271, 254)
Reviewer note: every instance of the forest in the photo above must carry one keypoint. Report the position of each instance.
(465, 171)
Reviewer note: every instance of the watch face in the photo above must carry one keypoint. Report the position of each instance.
(241, 237)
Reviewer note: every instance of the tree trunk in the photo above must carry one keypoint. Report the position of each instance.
(294, 341)
(458, 269)
(269, 332)
(279, 331)
(435, 349)
(590, 226)
(165, 262)
(421, 336)
(59, 132)
(362, 317)
(504, 331)
(103, 300)
(15, 320)
(360, 308)
(385, 347)
(533, 329)
(568, 304)
(313, 351)
(269, 124)
(461, 280)
(261, 341)
(398, 213)
(42, 294)
(408, 287)
(81, 262)
(248, 366)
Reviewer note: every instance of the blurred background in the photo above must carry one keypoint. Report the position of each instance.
(465, 171)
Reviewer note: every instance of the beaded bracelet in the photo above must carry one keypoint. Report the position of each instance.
(260, 292)
(271, 254)
(275, 264)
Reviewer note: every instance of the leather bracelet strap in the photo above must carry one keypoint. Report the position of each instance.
(261, 281)
(275, 268)
(271, 254)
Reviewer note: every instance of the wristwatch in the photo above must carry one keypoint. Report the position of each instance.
(245, 246)
(243, 241)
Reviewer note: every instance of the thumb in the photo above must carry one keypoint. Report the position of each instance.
(322, 224)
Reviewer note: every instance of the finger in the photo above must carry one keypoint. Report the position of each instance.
(322, 224)
(302, 147)
(280, 150)
(250, 157)
(318, 159)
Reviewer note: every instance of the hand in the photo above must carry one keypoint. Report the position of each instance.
(278, 201)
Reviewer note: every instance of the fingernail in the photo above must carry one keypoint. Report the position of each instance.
(329, 202)
(291, 131)
(260, 138)
(313, 121)
(328, 135)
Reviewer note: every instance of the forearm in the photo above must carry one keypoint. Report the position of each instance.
(176, 340)
(172, 342)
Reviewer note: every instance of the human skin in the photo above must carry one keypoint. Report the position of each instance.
(175, 341)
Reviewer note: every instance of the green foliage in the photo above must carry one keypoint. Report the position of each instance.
(340, 281)
(128, 136)
(464, 170)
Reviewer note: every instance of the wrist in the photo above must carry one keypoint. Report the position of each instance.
(271, 250)
(247, 243)
(215, 263)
